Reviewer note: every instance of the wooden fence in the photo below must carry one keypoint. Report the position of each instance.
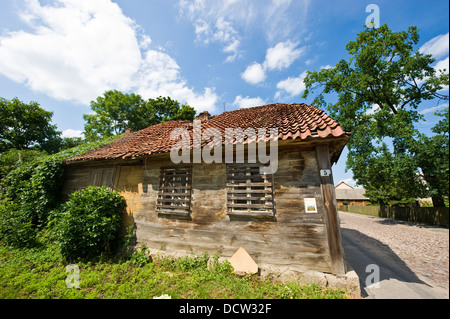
(434, 216)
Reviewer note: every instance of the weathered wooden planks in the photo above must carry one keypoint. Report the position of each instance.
(332, 218)
(290, 238)
(294, 245)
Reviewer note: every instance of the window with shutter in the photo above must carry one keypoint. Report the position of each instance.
(174, 194)
(249, 193)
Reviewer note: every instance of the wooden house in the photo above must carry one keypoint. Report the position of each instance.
(346, 195)
(287, 216)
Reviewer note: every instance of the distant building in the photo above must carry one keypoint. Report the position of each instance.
(343, 185)
(347, 195)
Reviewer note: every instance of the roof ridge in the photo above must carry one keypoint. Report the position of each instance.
(293, 120)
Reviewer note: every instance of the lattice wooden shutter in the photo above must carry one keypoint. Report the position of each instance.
(174, 196)
(249, 193)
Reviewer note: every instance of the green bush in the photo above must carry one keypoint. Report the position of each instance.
(9, 160)
(37, 183)
(31, 191)
(16, 228)
(89, 222)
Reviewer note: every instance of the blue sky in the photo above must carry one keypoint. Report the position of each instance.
(214, 55)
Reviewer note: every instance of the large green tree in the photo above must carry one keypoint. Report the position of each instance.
(115, 112)
(26, 126)
(379, 90)
(432, 155)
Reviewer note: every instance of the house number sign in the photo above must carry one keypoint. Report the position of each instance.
(325, 172)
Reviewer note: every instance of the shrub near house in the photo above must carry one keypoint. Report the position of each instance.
(89, 222)
(30, 192)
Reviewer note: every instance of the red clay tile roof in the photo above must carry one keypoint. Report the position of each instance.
(294, 121)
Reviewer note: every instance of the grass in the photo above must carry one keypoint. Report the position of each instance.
(40, 272)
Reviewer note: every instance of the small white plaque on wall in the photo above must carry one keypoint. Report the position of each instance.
(310, 205)
(325, 172)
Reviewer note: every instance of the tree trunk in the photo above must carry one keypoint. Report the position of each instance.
(438, 201)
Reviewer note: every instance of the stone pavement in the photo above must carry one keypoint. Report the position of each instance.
(415, 257)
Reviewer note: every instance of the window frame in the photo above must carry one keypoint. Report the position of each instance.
(102, 176)
(174, 191)
(249, 193)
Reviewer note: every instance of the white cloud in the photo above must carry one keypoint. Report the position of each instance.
(145, 42)
(202, 30)
(277, 19)
(434, 109)
(254, 74)
(159, 75)
(375, 108)
(226, 34)
(282, 19)
(72, 133)
(438, 47)
(221, 32)
(278, 57)
(293, 86)
(233, 47)
(78, 49)
(243, 102)
(71, 53)
(282, 55)
(441, 65)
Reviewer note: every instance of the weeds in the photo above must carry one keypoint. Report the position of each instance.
(141, 257)
(39, 272)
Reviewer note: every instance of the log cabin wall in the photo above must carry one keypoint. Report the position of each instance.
(291, 237)
(217, 208)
